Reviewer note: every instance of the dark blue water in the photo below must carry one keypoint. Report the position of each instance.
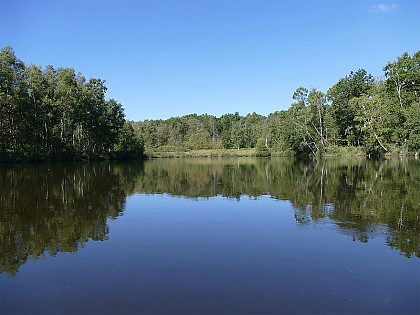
(172, 253)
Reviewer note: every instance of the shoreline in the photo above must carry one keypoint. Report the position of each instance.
(213, 153)
(222, 153)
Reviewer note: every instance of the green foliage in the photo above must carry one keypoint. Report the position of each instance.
(413, 126)
(55, 114)
(261, 148)
(172, 152)
(129, 144)
(403, 78)
(335, 150)
(358, 115)
(359, 111)
(196, 132)
(355, 84)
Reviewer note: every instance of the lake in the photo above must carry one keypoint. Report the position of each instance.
(194, 236)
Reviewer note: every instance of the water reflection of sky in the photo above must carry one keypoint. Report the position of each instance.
(169, 254)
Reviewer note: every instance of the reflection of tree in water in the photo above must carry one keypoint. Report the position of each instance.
(359, 196)
(51, 208)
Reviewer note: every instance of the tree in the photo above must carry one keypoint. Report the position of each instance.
(12, 101)
(54, 113)
(403, 78)
(317, 102)
(70, 103)
(413, 126)
(261, 148)
(36, 89)
(307, 116)
(129, 144)
(369, 116)
(355, 84)
(301, 138)
(280, 125)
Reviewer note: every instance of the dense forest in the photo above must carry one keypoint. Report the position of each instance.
(58, 114)
(358, 115)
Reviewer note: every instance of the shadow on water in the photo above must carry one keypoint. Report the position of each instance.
(51, 208)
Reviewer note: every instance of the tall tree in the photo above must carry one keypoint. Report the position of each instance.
(403, 78)
(318, 103)
(12, 98)
(54, 113)
(36, 88)
(355, 84)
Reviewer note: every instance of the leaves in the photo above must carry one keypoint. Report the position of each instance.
(54, 113)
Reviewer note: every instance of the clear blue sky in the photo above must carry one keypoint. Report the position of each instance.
(171, 58)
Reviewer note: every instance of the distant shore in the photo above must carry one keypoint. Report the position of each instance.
(219, 153)
(201, 153)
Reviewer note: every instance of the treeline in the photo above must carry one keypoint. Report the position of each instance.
(58, 114)
(358, 114)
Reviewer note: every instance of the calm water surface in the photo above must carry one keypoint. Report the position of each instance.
(211, 236)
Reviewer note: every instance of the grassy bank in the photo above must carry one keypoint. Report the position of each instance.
(345, 151)
(155, 153)
(360, 151)
(332, 151)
